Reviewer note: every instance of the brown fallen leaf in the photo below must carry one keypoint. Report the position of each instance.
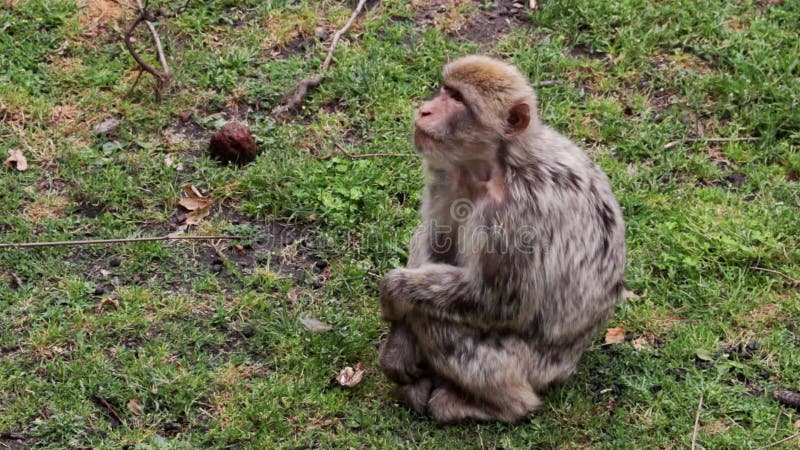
(293, 294)
(198, 205)
(12, 278)
(315, 325)
(642, 342)
(789, 398)
(16, 160)
(615, 335)
(350, 377)
(629, 295)
(106, 303)
(106, 127)
(180, 231)
(135, 406)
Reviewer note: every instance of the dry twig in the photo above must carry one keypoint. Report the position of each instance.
(788, 398)
(12, 436)
(344, 152)
(100, 401)
(696, 423)
(733, 139)
(118, 241)
(305, 84)
(777, 443)
(162, 78)
(546, 83)
(795, 283)
(156, 39)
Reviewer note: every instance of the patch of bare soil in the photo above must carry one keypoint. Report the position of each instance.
(12, 441)
(764, 4)
(472, 20)
(196, 126)
(283, 248)
(286, 250)
(489, 24)
(98, 17)
(584, 51)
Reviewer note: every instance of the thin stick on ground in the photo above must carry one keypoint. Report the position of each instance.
(118, 241)
(305, 84)
(162, 78)
(100, 401)
(156, 39)
(344, 152)
(546, 83)
(732, 139)
(135, 82)
(697, 423)
(777, 272)
(777, 443)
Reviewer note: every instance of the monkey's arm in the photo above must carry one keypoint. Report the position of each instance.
(440, 290)
(418, 253)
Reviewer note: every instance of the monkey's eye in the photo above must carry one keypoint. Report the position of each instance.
(455, 95)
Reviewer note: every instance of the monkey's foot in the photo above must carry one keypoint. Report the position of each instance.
(398, 357)
(447, 405)
(416, 394)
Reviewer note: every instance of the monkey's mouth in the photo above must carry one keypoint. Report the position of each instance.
(423, 140)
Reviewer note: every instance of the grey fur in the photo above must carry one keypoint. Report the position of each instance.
(508, 309)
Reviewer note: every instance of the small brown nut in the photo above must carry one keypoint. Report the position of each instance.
(233, 143)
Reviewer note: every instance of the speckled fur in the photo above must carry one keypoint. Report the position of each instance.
(533, 268)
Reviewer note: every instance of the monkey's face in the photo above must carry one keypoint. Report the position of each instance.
(446, 128)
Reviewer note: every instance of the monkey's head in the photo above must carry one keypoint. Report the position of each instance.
(483, 102)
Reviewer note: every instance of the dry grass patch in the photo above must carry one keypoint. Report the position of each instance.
(283, 27)
(447, 15)
(48, 206)
(690, 62)
(98, 16)
(765, 314)
(719, 426)
(64, 115)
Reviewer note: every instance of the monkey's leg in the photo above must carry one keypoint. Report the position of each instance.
(416, 394)
(399, 357)
(489, 372)
(449, 404)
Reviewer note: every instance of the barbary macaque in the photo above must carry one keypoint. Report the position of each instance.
(519, 259)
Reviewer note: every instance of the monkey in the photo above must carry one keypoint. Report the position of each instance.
(517, 262)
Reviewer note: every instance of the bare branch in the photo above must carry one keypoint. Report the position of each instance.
(295, 100)
(546, 83)
(777, 272)
(118, 241)
(338, 34)
(100, 401)
(777, 443)
(696, 423)
(732, 139)
(302, 90)
(156, 39)
(162, 78)
(344, 152)
(135, 82)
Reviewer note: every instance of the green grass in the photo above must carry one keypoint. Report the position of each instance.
(215, 352)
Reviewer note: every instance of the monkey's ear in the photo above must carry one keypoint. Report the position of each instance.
(518, 119)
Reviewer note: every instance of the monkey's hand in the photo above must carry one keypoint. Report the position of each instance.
(441, 290)
(394, 304)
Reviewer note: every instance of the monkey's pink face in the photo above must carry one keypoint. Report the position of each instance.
(438, 120)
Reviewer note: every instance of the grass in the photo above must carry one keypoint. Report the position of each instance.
(208, 338)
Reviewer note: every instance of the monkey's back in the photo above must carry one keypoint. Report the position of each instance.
(569, 275)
